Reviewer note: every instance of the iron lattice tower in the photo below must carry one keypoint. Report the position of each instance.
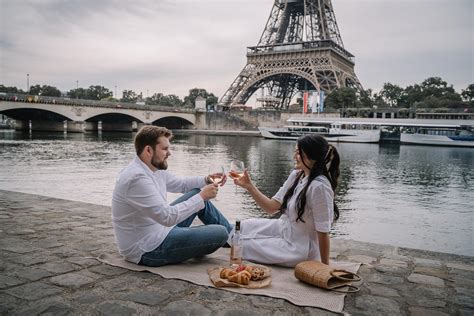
(300, 49)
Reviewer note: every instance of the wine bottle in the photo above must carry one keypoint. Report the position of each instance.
(236, 247)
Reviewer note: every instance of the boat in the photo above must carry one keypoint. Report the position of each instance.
(355, 132)
(335, 132)
(292, 132)
(462, 136)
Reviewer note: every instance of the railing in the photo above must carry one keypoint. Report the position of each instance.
(16, 97)
(286, 47)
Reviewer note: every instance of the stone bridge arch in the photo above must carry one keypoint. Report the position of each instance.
(174, 122)
(104, 114)
(28, 111)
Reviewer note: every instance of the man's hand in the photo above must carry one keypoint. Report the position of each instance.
(218, 178)
(209, 192)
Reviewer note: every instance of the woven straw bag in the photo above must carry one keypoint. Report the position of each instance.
(323, 276)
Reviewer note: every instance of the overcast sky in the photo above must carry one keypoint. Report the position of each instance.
(170, 46)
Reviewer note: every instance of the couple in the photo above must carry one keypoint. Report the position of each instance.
(151, 232)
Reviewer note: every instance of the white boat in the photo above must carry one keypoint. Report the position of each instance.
(336, 132)
(292, 132)
(354, 133)
(463, 136)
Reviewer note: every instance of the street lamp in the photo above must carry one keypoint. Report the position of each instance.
(116, 92)
(77, 89)
(28, 83)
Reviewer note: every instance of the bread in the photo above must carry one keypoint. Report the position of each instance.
(257, 274)
(226, 273)
(242, 277)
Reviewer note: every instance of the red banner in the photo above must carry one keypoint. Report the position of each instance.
(305, 102)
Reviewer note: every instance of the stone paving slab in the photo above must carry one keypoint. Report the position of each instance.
(47, 247)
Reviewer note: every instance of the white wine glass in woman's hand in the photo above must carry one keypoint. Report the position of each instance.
(236, 170)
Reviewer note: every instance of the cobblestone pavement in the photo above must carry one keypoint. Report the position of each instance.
(46, 246)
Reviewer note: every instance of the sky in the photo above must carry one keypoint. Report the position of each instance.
(171, 46)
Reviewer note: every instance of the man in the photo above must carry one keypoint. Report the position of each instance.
(148, 230)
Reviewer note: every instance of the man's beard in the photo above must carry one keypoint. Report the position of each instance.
(160, 165)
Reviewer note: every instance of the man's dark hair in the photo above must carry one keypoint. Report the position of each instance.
(148, 136)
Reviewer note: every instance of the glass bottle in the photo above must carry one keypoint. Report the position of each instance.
(236, 247)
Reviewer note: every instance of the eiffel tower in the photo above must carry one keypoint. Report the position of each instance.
(300, 49)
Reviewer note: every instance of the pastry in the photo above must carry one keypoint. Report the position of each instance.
(226, 273)
(257, 274)
(242, 277)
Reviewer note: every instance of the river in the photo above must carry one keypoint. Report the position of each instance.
(410, 196)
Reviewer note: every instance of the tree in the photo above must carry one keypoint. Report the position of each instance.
(45, 90)
(10, 89)
(342, 98)
(155, 99)
(412, 95)
(79, 93)
(468, 93)
(436, 87)
(98, 93)
(194, 93)
(366, 99)
(392, 94)
(129, 96)
(171, 100)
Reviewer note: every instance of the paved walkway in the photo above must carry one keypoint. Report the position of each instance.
(45, 265)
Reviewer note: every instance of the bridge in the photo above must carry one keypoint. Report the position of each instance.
(75, 115)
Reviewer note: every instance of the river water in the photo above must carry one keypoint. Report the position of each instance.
(411, 196)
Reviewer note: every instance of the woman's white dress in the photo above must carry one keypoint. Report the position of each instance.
(285, 241)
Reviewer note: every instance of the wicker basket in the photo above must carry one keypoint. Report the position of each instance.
(323, 276)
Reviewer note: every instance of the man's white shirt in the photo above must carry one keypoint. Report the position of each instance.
(141, 215)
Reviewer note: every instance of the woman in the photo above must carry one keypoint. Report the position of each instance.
(306, 200)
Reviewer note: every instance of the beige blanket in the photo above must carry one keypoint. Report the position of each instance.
(284, 285)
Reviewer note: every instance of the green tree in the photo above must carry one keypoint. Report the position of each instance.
(79, 93)
(10, 89)
(195, 92)
(98, 93)
(155, 99)
(412, 95)
(171, 100)
(468, 93)
(392, 94)
(436, 87)
(366, 99)
(342, 98)
(45, 90)
(129, 96)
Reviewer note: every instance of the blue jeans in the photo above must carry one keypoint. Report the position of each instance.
(184, 242)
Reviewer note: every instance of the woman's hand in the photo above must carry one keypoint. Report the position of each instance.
(244, 180)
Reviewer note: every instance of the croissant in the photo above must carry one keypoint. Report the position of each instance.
(243, 277)
(226, 273)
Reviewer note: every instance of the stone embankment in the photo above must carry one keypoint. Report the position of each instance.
(47, 265)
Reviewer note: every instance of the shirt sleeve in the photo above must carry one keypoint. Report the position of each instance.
(285, 187)
(178, 184)
(142, 195)
(320, 200)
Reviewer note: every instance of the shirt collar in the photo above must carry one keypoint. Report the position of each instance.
(142, 165)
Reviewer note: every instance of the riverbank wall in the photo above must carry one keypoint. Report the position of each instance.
(48, 248)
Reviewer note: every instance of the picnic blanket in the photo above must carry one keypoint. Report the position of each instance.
(283, 284)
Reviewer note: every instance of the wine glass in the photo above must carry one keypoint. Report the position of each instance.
(216, 174)
(236, 170)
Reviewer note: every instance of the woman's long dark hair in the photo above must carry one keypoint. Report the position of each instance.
(326, 158)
